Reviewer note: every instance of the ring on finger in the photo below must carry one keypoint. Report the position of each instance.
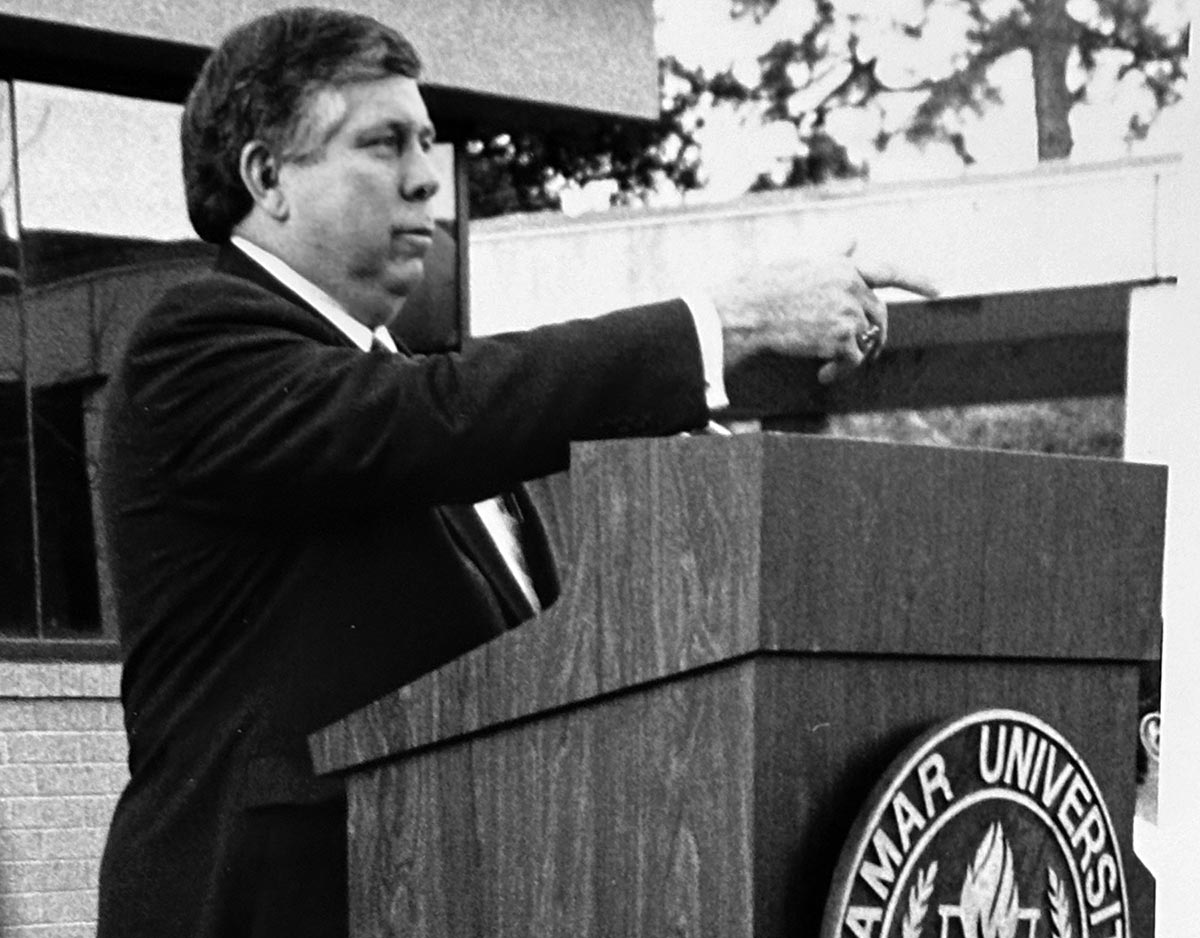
(869, 338)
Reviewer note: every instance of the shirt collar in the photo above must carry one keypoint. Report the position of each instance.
(314, 296)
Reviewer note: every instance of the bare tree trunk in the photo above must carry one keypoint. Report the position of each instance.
(1054, 35)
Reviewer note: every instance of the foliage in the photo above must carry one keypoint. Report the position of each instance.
(1072, 426)
(1065, 41)
(917, 69)
(525, 171)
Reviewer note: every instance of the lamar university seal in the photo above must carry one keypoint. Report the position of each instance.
(990, 826)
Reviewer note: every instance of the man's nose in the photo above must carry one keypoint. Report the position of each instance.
(420, 183)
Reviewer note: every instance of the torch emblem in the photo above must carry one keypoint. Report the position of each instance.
(990, 903)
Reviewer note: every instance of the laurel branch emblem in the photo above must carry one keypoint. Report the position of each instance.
(918, 902)
(981, 910)
(1060, 907)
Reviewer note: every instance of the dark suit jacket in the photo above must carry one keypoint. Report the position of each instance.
(270, 495)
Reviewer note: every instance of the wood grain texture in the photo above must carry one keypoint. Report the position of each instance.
(715, 804)
(691, 551)
(753, 629)
(882, 548)
(678, 585)
(677, 556)
(630, 818)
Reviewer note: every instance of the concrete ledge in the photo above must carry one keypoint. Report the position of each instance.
(59, 680)
(1059, 226)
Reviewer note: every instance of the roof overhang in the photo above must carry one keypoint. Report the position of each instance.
(488, 66)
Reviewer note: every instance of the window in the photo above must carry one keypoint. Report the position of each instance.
(17, 613)
(94, 227)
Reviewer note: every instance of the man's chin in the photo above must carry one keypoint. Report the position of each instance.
(410, 272)
(388, 294)
(380, 307)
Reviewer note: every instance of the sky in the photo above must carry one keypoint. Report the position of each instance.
(737, 146)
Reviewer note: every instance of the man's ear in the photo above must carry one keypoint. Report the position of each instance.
(260, 175)
(1148, 731)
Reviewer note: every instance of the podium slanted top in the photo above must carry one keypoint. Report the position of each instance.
(692, 551)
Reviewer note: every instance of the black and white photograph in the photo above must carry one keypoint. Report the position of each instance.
(599, 469)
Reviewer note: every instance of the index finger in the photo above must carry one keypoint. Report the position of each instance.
(879, 274)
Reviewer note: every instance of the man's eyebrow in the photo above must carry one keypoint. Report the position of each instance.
(422, 129)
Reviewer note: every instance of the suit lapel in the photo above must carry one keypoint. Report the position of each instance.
(463, 522)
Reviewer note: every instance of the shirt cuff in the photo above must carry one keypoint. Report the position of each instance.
(712, 348)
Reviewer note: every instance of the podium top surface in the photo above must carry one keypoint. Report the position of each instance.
(691, 551)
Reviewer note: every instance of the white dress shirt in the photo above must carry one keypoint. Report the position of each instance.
(1147, 844)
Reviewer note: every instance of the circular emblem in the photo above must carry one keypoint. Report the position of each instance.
(989, 826)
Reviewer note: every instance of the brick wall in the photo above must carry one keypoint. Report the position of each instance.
(62, 765)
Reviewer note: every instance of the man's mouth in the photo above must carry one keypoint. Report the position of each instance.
(417, 238)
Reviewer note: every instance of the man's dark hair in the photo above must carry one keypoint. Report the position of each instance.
(258, 85)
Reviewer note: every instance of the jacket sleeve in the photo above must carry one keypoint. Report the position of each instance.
(230, 397)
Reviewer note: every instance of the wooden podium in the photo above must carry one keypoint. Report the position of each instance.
(752, 629)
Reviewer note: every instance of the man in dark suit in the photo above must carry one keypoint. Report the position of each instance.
(303, 517)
